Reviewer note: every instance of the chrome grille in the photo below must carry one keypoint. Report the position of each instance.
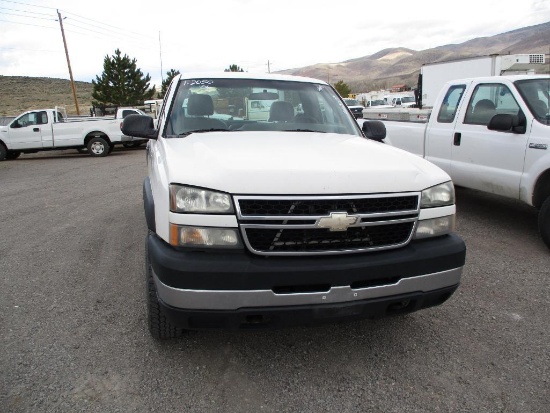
(295, 225)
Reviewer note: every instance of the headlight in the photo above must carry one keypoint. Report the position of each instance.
(435, 227)
(439, 195)
(184, 236)
(191, 199)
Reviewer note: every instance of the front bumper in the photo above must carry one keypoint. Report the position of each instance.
(210, 289)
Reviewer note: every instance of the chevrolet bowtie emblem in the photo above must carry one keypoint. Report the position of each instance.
(338, 221)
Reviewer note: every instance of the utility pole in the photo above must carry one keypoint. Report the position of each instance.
(68, 62)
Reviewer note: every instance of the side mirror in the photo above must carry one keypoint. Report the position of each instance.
(504, 123)
(139, 126)
(375, 130)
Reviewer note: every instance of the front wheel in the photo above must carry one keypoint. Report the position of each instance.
(159, 326)
(544, 221)
(13, 155)
(3, 153)
(98, 146)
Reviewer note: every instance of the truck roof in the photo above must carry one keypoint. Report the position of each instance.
(492, 79)
(246, 75)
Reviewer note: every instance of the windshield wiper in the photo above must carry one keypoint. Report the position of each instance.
(303, 130)
(203, 130)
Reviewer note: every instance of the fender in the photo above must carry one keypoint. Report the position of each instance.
(149, 205)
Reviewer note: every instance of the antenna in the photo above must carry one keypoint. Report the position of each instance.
(160, 51)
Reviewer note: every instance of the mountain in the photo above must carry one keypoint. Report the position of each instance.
(401, 66)
(22, 93)
(378, 71)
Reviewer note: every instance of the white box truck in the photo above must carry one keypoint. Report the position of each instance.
(433, 76)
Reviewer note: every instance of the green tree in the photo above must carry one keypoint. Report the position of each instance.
(343, 89)
(121, 83)
(166, 82)
(234, 68)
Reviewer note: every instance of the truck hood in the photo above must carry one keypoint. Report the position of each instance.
(282, 163)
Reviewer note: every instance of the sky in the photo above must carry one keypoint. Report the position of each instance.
(257, 35)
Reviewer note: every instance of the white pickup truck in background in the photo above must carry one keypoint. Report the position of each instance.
(51, 129)
(490, 134)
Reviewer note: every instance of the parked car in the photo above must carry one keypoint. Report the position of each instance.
(355, 107)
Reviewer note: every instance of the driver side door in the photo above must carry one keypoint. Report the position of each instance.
(26, 131)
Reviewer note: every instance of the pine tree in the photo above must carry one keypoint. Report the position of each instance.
(121, 83)
(234, 68)
(166, 82)
(342, 88)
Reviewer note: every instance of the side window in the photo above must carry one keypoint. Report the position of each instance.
(21, 122)
(447, 111)
(489, 100)
(42, 118)
(27, 119)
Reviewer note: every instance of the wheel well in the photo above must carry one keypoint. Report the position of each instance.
(96, 134)
(3, 144)
(542, 189)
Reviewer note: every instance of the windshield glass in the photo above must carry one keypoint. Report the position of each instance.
(236, 104)
(378, 103)
(535, 93)
(407, 99)
(352, 102)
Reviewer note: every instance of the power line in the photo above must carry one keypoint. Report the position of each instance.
(22, 15)
(124, 31)
(25, 11)
(106, 27)
(27, 24)
(31, 50)
(27, 4)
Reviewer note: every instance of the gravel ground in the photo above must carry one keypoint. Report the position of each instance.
(74, 337)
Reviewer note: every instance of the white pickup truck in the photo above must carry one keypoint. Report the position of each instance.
(491, 134)
(50, 129)
(296, 218)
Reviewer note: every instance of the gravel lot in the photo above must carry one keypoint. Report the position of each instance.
(74, 337)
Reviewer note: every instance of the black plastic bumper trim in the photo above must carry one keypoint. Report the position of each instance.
(243, 271)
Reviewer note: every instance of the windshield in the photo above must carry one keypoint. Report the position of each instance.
(236, 104)
(378, 103)
(352, 102)
(535, 93)
(407, 99)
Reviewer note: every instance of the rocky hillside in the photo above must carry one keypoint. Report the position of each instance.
(400, 65)
(21, 93)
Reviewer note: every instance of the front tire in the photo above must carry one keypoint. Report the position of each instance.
(159, 326)
(544, 221)
(98, 146)
(11, 155)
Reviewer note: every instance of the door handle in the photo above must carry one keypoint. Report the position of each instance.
(457, 137)
(36, 129)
